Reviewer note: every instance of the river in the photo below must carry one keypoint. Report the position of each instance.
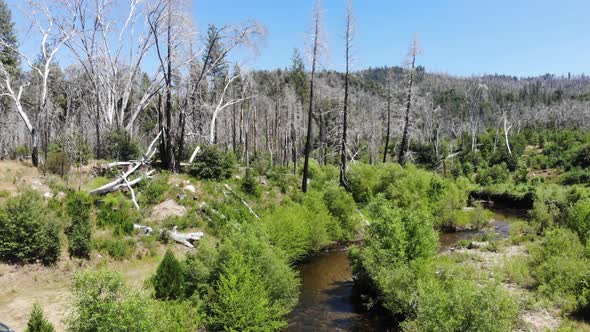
(328, 301)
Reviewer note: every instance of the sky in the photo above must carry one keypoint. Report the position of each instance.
(458, 37)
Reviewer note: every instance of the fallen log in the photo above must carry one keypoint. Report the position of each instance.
(186, 239)
(242, 200)
(143, 229)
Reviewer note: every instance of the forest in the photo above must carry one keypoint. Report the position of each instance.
(151, 182)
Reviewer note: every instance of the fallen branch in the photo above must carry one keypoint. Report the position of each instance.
(144, 229)
(243, 201)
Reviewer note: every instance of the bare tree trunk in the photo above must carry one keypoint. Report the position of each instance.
(314, 56)
(405, 140)
(387, 134)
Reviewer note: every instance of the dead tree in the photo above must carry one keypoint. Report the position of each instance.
(316, 49)
(349, 33)
(404, 147)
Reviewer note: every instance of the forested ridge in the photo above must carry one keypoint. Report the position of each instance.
(204, 195)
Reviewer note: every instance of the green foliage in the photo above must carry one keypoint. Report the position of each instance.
(342, 206)
(169, 278)
(78, 206)
(255, 287)
(492, 175)
(242, 302)
(151, 192)
(57, 161)
(118, 145)
(250, 184)
(37, 322)
(27, 232)
(396, 244)
(101, 301)
(213, 164)
(200, 270)
(117, 248)
(287, 228)
(578, 219)
(461, 305)
(116, 210)
(559, 266)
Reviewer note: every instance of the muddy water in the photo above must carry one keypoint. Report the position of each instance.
(328, 301)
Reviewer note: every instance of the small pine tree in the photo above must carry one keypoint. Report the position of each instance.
(38, 323)
(78, 206)
(169, 279)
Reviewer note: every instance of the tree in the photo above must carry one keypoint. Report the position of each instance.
(349, 32)
(169, 278)
(8, 56)
(403, 150)
(38, 323)
(78, 206)
(316, 50)
(298, 80)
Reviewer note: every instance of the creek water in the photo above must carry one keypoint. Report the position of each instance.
(329, 301)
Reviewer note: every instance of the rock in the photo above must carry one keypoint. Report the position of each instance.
(47, 195)
(60, 195)
(477, 245)
(190, 188)
(262, 180)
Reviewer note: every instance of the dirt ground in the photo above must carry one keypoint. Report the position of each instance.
(22, 286)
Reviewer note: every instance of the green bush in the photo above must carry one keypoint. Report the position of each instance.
(242, 302)
(116, 210)
(37, 322)
(78, 206)
(250, 184)
(116, 248)
(255, 287)
(561, 269)
(342, 206)
(118, 145)
(101, 301)
(288, 228)
(461, 305)
(213, 164)
(396, 244)
(57, 162)
(27, 232)
(169, 278)
(151, 192)
(200, 268)
(492, 175)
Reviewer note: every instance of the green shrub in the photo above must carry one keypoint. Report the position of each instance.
(200, 269)
(57, 162)
(101, 301)
(255, 287)
(169, 278)
(461, 305)
(151, 192)
(250, 184)
(342, 206)
(78, 206)
(287, 228)
(241, 301)
(116, 248)
(578, 219)
(213, 164)
(396, 244)
(517, 270)
(492, 175)
(37, 322)
(561, 269)
(27, 232)
(116, 210)
(118, 145)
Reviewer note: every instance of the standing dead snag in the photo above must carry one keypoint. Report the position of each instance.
(316, 50)
(349, 32)
(404, 147)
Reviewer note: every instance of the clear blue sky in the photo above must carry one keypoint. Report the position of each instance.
(463, 37)
(519, 37)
